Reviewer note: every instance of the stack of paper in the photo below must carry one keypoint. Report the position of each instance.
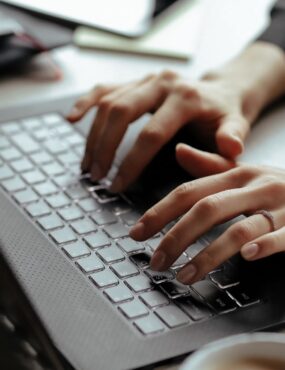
(173, 35)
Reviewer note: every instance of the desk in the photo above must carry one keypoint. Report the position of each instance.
(242, 20)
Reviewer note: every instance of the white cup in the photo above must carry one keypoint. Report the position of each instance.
(267, 346)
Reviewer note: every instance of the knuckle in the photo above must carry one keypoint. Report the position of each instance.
(167, 75)
(119, 108)
(105, 103)
(150, 137)
(182, 191)
(208, 206)
(186, 91)
(151, 214)
(273, 185)
(241, 232)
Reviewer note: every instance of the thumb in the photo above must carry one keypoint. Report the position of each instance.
(199, 163)
(231, 135)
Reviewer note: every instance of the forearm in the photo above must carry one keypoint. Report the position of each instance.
(258, 74)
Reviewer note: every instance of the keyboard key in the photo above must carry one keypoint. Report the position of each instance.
(174, 289)
(25, 142)
(90, 264)
(158, 277)
(50, 222)
(116, 230)
(142, 260)
(97, 240)
(26, 196)
(41, 157)
(118, 294)
(77, 249)
(32, 123)
(172, 316)
(33, 177)
(181, 261)
(226, 278)
(51, 119)
(66, 180)
(38, 209)
(68, 159)
(104, 218)
(83, 226)
(139, 283)
(130, 246)
(195, 309)
(55, 146)
(10, 154)
(5, 172)
(154, 299)
(58, 201)
(244, 295)
(154, 243)
(22, 165)
(124, 269)
(10, 127)
(216, 298)
(104, 278)
(195, 249)
(14, 184)
(111, 254)
(45, 188)
(71, 213)
(88, 205)
(53, 169)
(63, 235)
(103, 195)
(149, 325)
(77, 192)
(117, 206)
(130, 218)
(75, 139)
(63, 129)
(41, 134)
(133, 309)
(4, 143)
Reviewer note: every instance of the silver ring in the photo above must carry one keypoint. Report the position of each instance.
(269, 217)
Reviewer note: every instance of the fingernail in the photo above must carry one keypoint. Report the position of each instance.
(117, 184)
(250, 250)
(96, 173)
(158, 261)
(137, 231)
(74, 112)
(187, 274)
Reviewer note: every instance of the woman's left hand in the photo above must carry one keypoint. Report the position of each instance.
(210, 201)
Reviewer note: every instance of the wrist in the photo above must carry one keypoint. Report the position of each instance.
(257, 76)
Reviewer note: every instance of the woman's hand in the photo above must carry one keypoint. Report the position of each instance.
(218, 110)
(210, 201)
(213, 111)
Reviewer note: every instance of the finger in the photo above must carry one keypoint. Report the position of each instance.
(100, 121)
(181, 200)
(200, 163)
(88, 101)
(224, 247)
(121, 112)
(169, 118)
(265, 245)
(204, 215)
(231, 135)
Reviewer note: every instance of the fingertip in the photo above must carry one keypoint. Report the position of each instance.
(229, 145)
(137, 231)
(74, 115)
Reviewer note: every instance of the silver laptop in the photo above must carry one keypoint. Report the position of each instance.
(90, 285)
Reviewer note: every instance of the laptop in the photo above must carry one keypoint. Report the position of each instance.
(89, 286)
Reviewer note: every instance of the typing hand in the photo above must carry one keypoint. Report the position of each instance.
(258, 192)
(211, 108)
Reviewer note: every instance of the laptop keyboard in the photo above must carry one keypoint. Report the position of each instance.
(39, 169)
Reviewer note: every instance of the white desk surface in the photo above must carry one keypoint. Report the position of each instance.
(228, 25)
